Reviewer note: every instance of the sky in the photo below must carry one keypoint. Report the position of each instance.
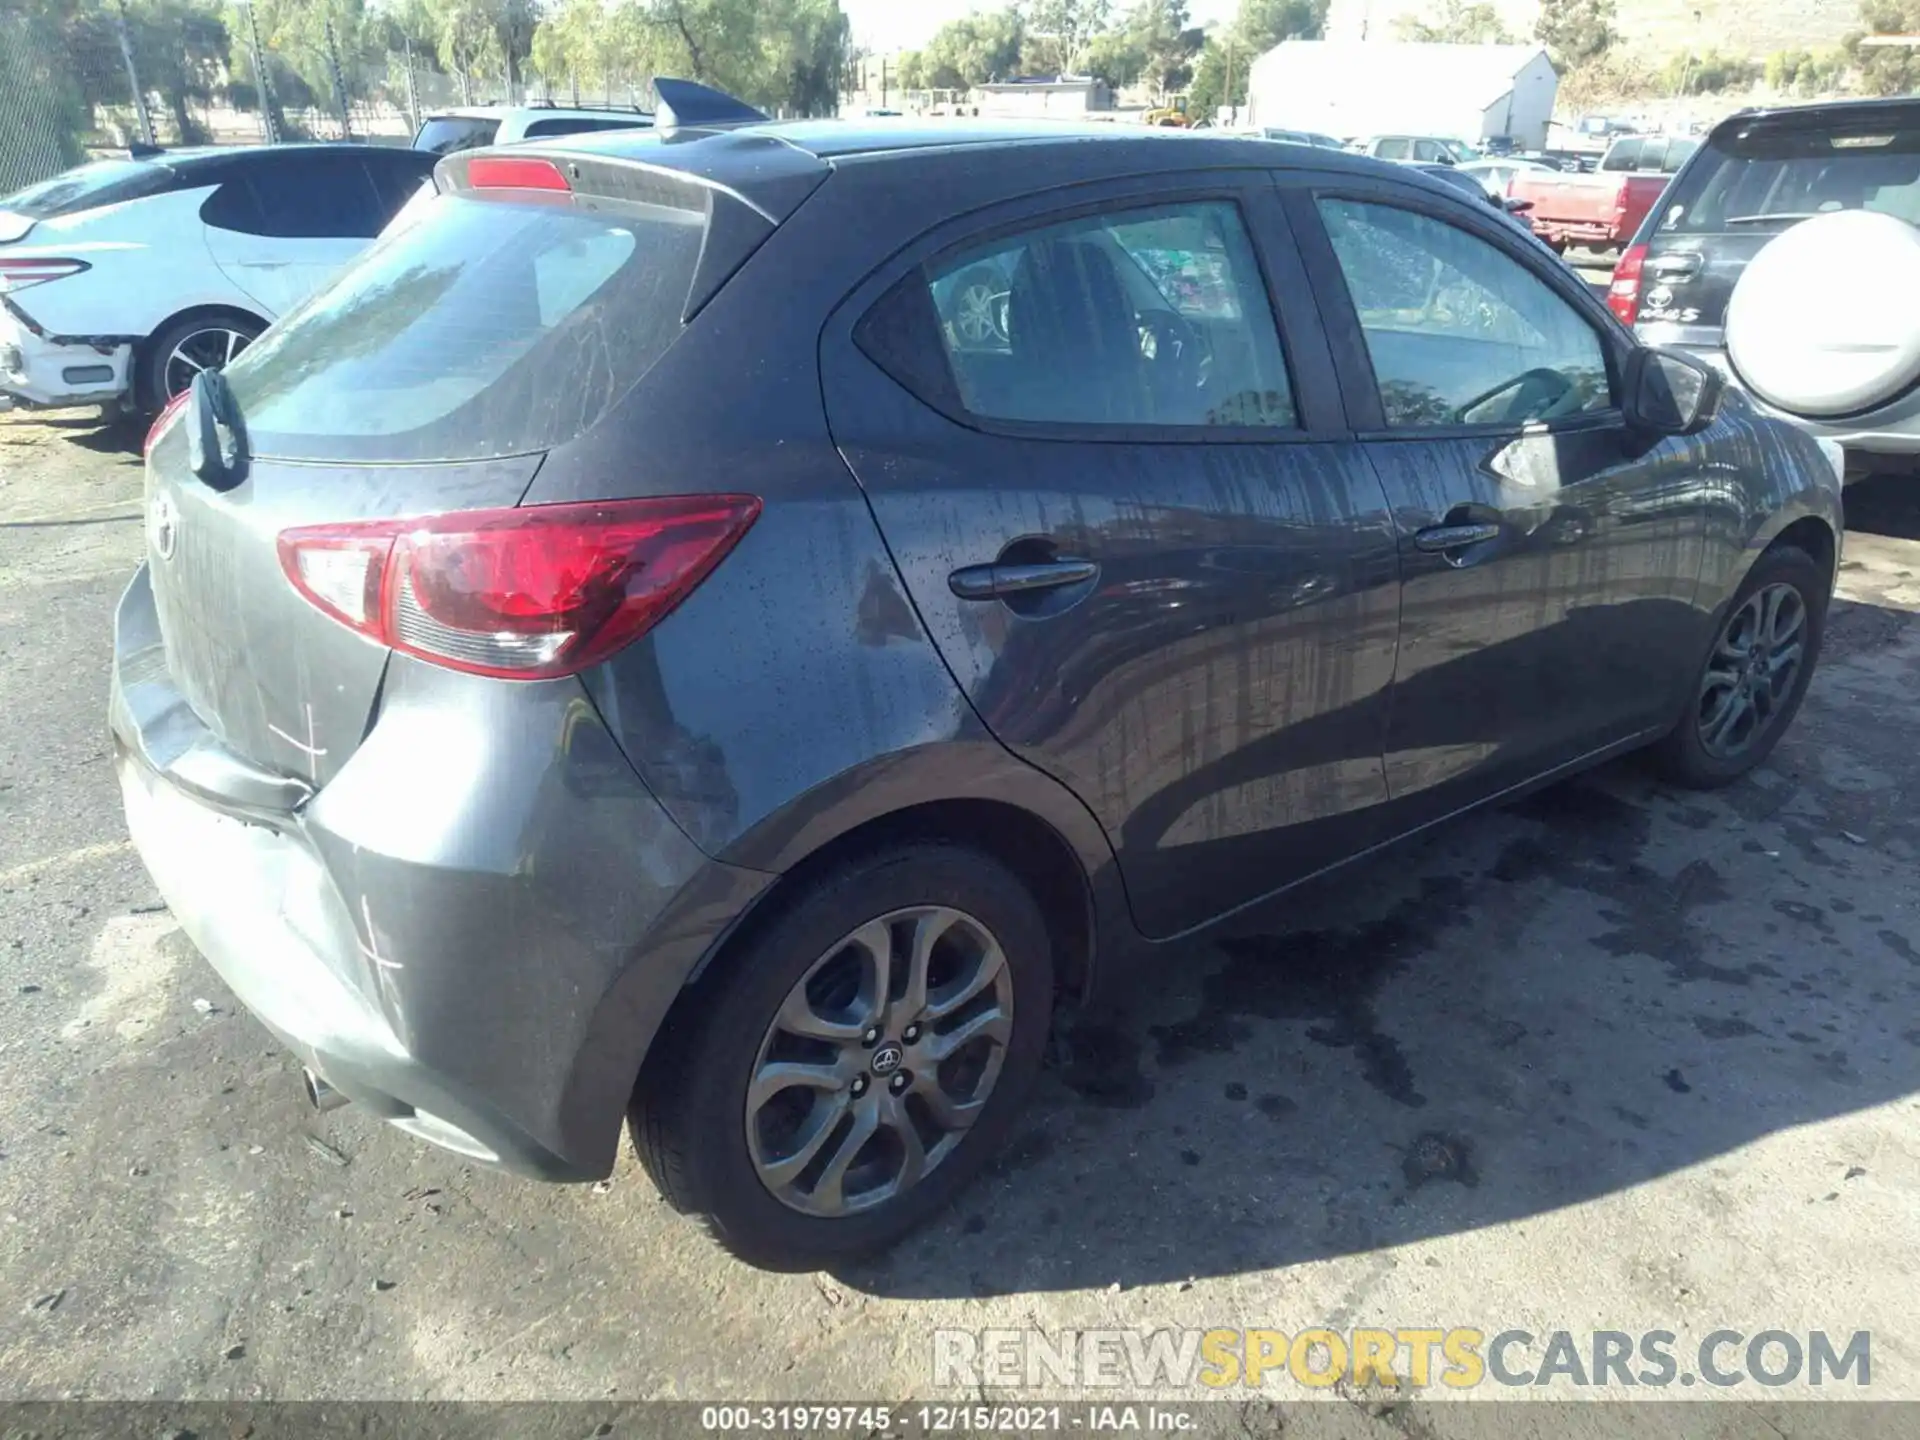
(906, 24)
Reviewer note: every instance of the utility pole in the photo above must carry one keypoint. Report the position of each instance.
(883, 82)
(133, 76)
(413, 96)
(267, 124)
(339, 79)
(1233, 103)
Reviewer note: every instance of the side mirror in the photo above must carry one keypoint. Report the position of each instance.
(1517, 207)
(1671, 394)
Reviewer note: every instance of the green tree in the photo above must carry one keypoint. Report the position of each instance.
(1456, 23)
(1575, 32)
(1707, 72)
(913, 70)
(1220, 69)
(974, 50)
(1887, 69)
(1059, 34)
(180, 48)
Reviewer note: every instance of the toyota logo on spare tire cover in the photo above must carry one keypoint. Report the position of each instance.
(1826, 318)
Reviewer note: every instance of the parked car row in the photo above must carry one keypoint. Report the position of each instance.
(171, 261)
(727, 630)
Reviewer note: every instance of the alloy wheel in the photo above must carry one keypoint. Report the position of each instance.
(879, 1061)
(207, 349)
(977, 318)
(1750, 675)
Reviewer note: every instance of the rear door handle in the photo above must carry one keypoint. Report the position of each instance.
(1438, 539)
(998, 582)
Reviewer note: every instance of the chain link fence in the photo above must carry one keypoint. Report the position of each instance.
(82, 78)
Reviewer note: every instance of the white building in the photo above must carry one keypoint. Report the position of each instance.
(1385, 87)
(1067, 97)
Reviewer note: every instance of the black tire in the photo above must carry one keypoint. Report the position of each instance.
(1683, 756)
(689, 1117)
(151, 387)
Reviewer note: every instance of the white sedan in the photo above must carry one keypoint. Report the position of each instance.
(123, 279)
(1495, 174)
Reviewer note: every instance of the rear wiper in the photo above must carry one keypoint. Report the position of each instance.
(216, 440)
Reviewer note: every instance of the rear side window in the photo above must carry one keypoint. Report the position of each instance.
(301, 196)
(487, 328)
(1152, 317)
(90, 187)
(444, 134)
(1393, 149)
(1770, 177)
(1625, 155)
(579, 126)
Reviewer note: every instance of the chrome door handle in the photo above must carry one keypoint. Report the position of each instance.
(1437, 539)
(995, 582)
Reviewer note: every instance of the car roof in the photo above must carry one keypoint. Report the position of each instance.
(1891, 110)
(567, 112)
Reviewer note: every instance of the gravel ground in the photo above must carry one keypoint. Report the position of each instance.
(1617, 1057)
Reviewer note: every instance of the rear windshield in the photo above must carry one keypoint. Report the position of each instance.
(486, 328)
(1768, 178)
(1656, 153)
(444, 134)
(105, 182)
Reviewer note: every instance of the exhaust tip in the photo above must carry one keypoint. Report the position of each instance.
(320, 1094)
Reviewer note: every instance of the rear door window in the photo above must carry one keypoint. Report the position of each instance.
(301, 195)
(486, 328)
(444, 134)
(1393, 148)
(1625, 155)
(1153, 317)
(1768, 178)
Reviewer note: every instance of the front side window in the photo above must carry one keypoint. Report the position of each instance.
(1460, 333)
(1143, 317)
(1393, 148)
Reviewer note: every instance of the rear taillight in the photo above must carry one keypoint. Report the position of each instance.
(521, 594)
(19, 274)
(161, 421)
(1623, 295)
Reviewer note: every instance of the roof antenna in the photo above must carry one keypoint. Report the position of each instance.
(687, 104)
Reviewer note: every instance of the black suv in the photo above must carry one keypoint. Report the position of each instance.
(1783, 253)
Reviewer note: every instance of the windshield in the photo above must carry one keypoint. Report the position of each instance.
(444, 134)
(484, 328)
(105, 182)
(1766, 180)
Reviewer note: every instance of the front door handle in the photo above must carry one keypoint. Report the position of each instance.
(1003, 581)
(1438, 539)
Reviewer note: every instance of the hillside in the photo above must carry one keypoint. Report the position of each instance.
(1652, 27)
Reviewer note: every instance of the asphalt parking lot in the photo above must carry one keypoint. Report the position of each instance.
(1618, 1057)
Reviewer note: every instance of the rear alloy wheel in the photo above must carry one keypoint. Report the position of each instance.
(843, 1075)
(1755, 675)
(186, 348)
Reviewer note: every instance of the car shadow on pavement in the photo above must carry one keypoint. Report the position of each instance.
(1603, 984)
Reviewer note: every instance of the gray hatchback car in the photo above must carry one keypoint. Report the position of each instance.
(620, 653)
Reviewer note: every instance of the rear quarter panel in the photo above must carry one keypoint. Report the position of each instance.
(150, 262)
(1768, 475)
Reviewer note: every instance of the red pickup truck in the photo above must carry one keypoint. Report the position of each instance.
(1601, 210)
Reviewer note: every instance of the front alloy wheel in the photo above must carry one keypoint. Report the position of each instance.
(1752, 671)
(879, 1061)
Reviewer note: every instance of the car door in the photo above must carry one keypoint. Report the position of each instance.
(1128, 515)
(285, 225)
(1548, 554)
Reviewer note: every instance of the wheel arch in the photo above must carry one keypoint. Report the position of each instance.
(971, 792)
(143, 349)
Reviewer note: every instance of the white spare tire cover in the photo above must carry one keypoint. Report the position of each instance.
(1826, 319)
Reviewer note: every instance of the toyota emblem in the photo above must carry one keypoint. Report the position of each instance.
(163, 524)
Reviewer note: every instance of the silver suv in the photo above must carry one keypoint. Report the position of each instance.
(468, 127)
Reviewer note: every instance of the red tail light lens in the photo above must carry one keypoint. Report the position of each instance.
(160, 422)
(1623, 295)
(19, 274)
(520, 594)
(514, 172)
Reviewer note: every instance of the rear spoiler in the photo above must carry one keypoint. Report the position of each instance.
(677, 171)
